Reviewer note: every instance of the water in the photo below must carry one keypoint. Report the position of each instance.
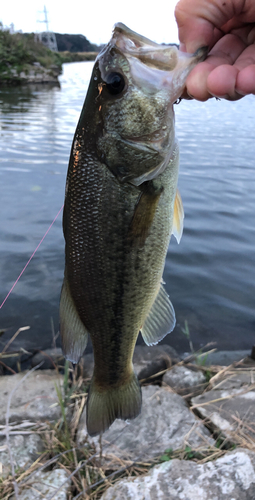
(210, 276)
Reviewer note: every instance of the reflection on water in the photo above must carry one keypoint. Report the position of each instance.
(209, 276)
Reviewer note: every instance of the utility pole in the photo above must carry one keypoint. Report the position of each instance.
(46, 18)
(47, 37)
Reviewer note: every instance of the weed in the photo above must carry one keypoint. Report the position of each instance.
(167, 455)
(186, 332)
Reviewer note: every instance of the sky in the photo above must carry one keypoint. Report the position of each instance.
(94, 18)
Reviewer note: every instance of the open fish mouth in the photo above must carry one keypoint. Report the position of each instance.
(162, 57)
(155, 66)
(150, 53)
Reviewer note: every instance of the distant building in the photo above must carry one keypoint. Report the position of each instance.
(48, 39)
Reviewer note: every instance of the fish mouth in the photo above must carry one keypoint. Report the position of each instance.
(158, 56)
(150, 53)
(155, 66)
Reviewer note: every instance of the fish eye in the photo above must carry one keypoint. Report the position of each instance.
(115, 83)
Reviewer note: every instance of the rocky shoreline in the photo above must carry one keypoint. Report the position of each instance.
(36, 73)
(195, 436)
(33, 73)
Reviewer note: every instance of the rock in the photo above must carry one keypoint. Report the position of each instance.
(184, 380)
(15, 361)
(34, 399)
(43, 485)
(165, 422)
(223, 358)
(153, 373)
(231, 477)
(32, 73)
(25, 450)
(253, 353)
(230, 405)
(151, 359)
(50, 357)
(145, 355)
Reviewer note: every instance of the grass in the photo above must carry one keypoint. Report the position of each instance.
(91, 470)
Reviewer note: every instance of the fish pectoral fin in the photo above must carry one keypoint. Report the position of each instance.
(177, 228)
(144, 214)
(73, 333)
(160, 320)
(107, 404)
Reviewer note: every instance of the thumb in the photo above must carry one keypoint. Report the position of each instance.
(199, 22)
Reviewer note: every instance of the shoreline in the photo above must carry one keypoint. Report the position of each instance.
(188, 421)
(12, 362)
(36, 73)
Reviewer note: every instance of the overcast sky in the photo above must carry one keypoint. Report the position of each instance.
(94, 18)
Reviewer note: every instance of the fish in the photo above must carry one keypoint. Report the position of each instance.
(121, 207)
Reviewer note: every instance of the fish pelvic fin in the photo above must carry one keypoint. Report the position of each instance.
(74, 334)
(160, 320)
(177, 228)
(105, 405)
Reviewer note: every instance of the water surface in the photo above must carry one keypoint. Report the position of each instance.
(210, 276)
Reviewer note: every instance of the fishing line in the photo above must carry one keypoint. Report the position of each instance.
(29, 260)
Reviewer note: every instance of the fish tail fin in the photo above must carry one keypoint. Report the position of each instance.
(105, 405)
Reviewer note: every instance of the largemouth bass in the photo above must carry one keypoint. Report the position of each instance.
(121, 207)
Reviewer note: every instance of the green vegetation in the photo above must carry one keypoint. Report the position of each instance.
(186, 332)
(20, 54)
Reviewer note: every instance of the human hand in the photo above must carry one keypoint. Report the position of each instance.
(227, 27)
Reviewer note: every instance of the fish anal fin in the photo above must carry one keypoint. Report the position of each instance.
(160, 320)
(74, 334)
(177, 228)
(104, 405)
(144, 213)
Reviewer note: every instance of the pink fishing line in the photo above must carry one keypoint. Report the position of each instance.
(24, 268)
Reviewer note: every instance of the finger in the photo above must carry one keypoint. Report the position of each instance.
(242, 18)
(216, 35)
(193, 35)
(245, 63)
(245, 82)
(246, 33)
(197, 19)
(225, 52)
(221, 82)
(246, 58)
(196, 83)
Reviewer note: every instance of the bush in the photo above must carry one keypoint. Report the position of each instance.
(17, 50)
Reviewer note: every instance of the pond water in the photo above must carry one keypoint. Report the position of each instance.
(210, 276)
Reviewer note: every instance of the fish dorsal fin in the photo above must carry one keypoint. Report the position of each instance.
(73, 333)
(177, 228)
(160, 320)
